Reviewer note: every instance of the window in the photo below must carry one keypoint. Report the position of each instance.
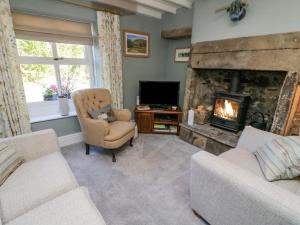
(51, 69)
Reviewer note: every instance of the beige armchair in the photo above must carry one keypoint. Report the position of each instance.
(99, 132)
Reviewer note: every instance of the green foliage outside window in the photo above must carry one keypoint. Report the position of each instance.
(34, 48)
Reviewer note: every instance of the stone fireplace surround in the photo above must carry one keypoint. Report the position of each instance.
(268, 66)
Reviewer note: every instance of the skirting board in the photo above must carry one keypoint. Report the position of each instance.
(70, 139)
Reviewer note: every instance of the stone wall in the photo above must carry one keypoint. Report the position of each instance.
(262, 86)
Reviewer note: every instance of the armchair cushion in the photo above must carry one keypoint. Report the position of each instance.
(118, 129)
(122, 114)
(104, 113)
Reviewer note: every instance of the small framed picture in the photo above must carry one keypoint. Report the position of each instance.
(136, 44)
(182, 54)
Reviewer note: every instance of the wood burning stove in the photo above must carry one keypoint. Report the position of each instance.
(229, 111)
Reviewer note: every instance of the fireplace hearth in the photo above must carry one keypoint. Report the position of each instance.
(229, 111)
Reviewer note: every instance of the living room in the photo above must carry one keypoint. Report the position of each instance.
(138, 112)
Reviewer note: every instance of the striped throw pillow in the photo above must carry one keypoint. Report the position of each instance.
(279, 159)
(9, 161)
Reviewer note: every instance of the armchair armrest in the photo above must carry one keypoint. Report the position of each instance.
(94, 131)
(34, 145)
(122, 114)
(224, 193)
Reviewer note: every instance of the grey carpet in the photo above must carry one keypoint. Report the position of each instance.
(148, 185)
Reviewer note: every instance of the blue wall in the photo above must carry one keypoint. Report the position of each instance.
(263, 17)
(135, 69)
(177, 71)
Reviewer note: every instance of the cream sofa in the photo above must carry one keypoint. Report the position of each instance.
(230, 189)
(43, 190)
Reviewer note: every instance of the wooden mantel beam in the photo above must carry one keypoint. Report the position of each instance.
(179, 33)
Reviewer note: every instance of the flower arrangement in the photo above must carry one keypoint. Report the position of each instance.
(50, 93)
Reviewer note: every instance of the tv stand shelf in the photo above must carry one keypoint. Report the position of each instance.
(158, 121)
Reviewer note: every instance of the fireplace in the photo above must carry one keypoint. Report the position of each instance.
(229, 111)
(269, 72)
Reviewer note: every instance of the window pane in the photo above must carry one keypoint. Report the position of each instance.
(70, 50)
(34, 48)
(39, 82)
(74, 77)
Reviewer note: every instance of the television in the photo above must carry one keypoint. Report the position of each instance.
(159, 93)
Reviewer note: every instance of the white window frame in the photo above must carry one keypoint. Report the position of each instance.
(48, 110)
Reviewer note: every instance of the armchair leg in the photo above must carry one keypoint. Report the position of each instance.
(113, 156)
(130, 142)
(87, 149)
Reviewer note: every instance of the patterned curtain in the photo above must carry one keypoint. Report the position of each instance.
(111, 55)
(14, 119)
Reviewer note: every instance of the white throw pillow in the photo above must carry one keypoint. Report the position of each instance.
(280, 158)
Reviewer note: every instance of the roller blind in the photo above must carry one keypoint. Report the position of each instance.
(54, 30)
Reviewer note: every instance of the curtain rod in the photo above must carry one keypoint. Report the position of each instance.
(91, 5)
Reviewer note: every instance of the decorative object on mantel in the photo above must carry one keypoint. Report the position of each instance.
(182, 54)
(236, 10)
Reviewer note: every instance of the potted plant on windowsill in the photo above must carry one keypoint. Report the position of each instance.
(50, 93)
(64, 97)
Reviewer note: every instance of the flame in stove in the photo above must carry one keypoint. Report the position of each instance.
(226, 109)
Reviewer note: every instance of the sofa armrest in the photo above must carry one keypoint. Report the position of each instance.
(122, 114)
(94, 131)
(34, 145)
(225, 194)
(253, 138)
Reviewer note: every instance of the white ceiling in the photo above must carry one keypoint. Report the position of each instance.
(152, 8)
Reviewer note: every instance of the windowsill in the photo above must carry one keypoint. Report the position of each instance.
(48, 110)
(51, 117)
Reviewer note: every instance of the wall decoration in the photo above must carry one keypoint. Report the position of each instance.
(136, 44)
(182, 54)
(236, 10)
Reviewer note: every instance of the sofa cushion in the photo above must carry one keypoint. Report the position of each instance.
(118, 129)
(34, 183)
(72, 208)
(279, 159)
(246, 160)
